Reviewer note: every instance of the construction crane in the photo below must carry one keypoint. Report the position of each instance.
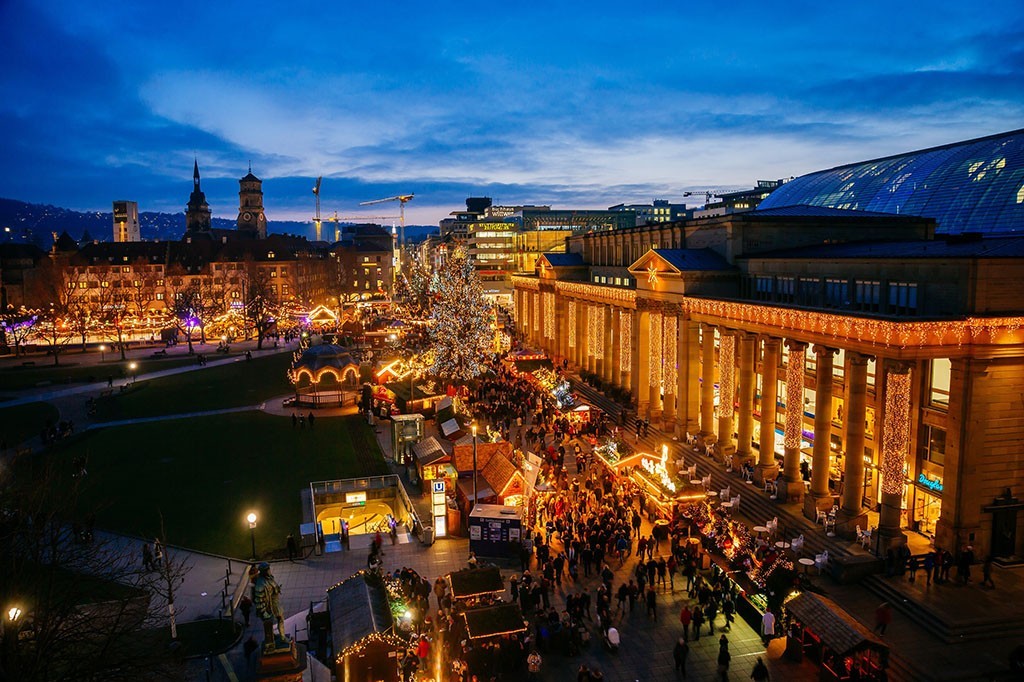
(402, 200)
(316, 218)
(706, 194)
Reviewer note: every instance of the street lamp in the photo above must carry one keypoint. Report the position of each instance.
(103, 351)
(133, 367)
(251, 518)
(13, 614)
(474, 466)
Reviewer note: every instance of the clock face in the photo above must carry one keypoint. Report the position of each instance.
(247, 216)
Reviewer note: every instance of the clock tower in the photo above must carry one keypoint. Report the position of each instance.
(250, 206)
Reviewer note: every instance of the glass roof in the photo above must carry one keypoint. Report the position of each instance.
(972, 186)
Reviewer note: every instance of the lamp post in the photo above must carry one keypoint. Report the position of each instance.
(9, 628)
(474, 466)
(251, 518)
(134, 366)
(103, 352)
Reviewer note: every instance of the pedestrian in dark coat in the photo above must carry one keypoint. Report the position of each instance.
(679, 653)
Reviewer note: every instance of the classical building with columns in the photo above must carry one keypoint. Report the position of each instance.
(869, 360)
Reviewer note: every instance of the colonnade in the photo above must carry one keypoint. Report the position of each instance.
(672, 365)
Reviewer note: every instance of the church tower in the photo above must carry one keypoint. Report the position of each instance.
(197, 213)
(250, 206)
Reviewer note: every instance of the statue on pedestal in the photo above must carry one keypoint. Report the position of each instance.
(266, 599)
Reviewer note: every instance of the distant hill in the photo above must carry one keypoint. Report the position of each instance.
(36, 223)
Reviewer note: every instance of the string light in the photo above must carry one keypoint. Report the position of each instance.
(670, 346)
(654, 357)
(461, 333)
(795, 394)
(572, 323)
(626, 337)
(549, 315)
(896, 431)
(535, 312)
(598, 330)
(726, 375)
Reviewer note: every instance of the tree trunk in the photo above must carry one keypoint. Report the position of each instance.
(259, 340)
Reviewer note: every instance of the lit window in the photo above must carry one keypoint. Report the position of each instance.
(939, 384)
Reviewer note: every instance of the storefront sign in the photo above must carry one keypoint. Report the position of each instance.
(352, 498)
(932, 484)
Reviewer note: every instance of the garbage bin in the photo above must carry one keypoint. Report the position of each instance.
(428, 535)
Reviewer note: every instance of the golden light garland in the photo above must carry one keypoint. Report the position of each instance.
(654, 358)
(896, 431)
(598, 312)
(572, 323)
(795, 394)
(523, 282)
(596, 292)
(626, 337)
(592, 330)
(535, 311)
(670, 346)
(549, 315)
(726, 375)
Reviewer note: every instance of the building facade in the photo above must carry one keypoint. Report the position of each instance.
(856, 350)
(126, 222)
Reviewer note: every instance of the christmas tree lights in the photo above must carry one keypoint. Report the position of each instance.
(461, 332)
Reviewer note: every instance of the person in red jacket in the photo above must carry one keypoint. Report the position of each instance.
(685, 617)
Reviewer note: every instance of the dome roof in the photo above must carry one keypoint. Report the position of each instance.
(315, 358)
(971, 186)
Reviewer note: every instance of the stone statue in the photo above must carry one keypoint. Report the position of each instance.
(266, 599)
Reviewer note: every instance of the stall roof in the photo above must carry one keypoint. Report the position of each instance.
(429, 451)
(466, 486)
(484, 452)
(528, 366)
(358, 609)
(840, 631)
(470, 582)
(499, 472)
(491, 621)
(450, 428)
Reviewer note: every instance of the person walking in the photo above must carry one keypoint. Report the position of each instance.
(245, 606)
(724, 658)
(312, 418)
(685, 616)
(652, 611)
(883, 616)
(698, 620)
(293, 547)
(760, 671)
(912, 566)
(679, 654)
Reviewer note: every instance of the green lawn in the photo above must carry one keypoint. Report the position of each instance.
(204, 475)
(15, 377)
(232, 385)
(21, 422)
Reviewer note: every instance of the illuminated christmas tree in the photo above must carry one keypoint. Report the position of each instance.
(461, 333)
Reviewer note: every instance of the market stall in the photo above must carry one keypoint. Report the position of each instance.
(433, 463)
(495, 530)
(472, 586)
(364, 646)
(500, 620)
(832, 638)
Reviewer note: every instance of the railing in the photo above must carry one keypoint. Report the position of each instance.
(346, 485)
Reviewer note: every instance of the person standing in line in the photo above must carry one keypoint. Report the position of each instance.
(679, 654)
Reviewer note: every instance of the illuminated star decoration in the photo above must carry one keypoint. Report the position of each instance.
(652, 274)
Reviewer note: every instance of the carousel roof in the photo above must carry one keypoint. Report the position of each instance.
(316, 358)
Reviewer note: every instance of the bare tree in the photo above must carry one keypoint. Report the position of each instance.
(55, 287)
(260, 302)
(17, 326)
(86, 602)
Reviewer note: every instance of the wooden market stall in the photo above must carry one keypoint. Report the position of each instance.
(433, 462)
(500, 620)
(476, 585)
(835, 640)
(362, 630)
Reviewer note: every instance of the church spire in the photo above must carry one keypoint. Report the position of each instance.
(195, 173)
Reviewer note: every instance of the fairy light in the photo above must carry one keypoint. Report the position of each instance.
(896, 431)
(626, 334)
(597, 312)
(727, 375)
(572, 323)
(795, 394)
(670, 345)
(654, 358)
(535, 312)
(549, 315)
(592, 331)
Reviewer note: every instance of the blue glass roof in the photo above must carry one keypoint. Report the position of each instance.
(972, 186)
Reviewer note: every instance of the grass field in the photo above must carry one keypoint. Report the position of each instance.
(15, 377)
(205, 474)
(235, 384)
(21, 422)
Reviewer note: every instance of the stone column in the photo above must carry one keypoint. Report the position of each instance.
(619, 346)
(688, 390)
(895, 446)
(609, 341)
(745, 423)
(581, 335)
(766, 466)
(791, 486)
(707, 383)
(851, 514)
(641, 368)
(654, 369)
(726, 391)
(820, 498)
(669, 347)
(561, 329)
(598, 330)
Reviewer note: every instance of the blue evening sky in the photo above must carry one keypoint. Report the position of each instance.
(575, 104)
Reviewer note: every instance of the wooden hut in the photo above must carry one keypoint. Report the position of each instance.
(362, 630)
